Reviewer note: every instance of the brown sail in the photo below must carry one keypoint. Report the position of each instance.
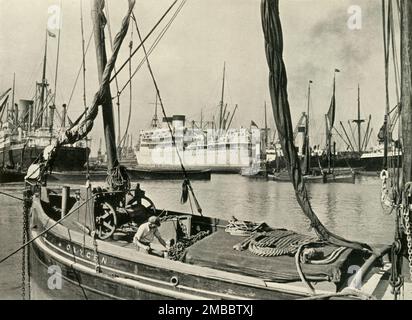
(278, 90)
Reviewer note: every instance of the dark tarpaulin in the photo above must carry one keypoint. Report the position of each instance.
(278, 91)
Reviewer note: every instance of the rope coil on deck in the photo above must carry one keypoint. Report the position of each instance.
(277, 243)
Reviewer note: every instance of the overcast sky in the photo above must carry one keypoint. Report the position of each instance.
(188, 61)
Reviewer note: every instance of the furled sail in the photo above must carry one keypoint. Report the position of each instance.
(278, 90)
(84, 124)
(332, 107)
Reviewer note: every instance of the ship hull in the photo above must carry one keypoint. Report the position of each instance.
(114, 271)
(7, 176)
(142, 281)
(370, 163)
(168, 174)
(15, 161)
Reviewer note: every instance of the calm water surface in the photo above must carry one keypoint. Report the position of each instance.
(352, 211)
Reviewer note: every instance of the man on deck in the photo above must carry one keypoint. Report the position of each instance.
(145, 235)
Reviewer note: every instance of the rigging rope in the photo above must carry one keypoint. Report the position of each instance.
(130, 88)
(144, 40)
(155, 43)
(84, 89)
(186, 182)
(45, 231)
(78, 73)
(57, 59)
(11, 196)
(77, 121)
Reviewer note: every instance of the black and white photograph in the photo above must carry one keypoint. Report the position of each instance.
(215, 150)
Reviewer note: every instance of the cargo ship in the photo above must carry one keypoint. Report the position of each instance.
(214, 149)
(205, 145)
(28, 126)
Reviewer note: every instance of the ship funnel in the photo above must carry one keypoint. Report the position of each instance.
(26, 112)
(178, 121)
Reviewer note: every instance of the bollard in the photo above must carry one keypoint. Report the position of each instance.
(65, 199)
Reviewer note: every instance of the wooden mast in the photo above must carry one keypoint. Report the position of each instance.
(266, 127)
(107, 108)
(43, 85)
(406, 91)
(13, 93)
(222, 97)
(359, 122)
(307, 151)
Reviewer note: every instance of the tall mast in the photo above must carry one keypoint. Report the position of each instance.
(223, 96)
(406, 85)
(201, 119)
(13, 93)
(307, 140)
(43, 84)
(83, 54)
(107, 108)
(155, 119)
(329, 128)
(57, 60)
(359, 122)
(266, 127)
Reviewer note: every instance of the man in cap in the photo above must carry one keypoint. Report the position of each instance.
(145, 234)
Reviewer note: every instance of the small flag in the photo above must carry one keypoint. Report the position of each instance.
(253, 124)
(51, 34)
(310, 81)
(337, 70)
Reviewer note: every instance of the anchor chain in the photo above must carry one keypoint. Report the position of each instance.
(25, 264)
(407, 207)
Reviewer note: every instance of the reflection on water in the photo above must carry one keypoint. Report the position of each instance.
(350, 210)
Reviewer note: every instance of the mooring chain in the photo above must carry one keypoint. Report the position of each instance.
(407, 207)
(23, 259)
(27, 201)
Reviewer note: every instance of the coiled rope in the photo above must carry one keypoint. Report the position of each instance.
(118, 179)
(278, 242)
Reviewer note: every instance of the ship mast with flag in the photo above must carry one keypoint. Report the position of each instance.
(330, 121)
